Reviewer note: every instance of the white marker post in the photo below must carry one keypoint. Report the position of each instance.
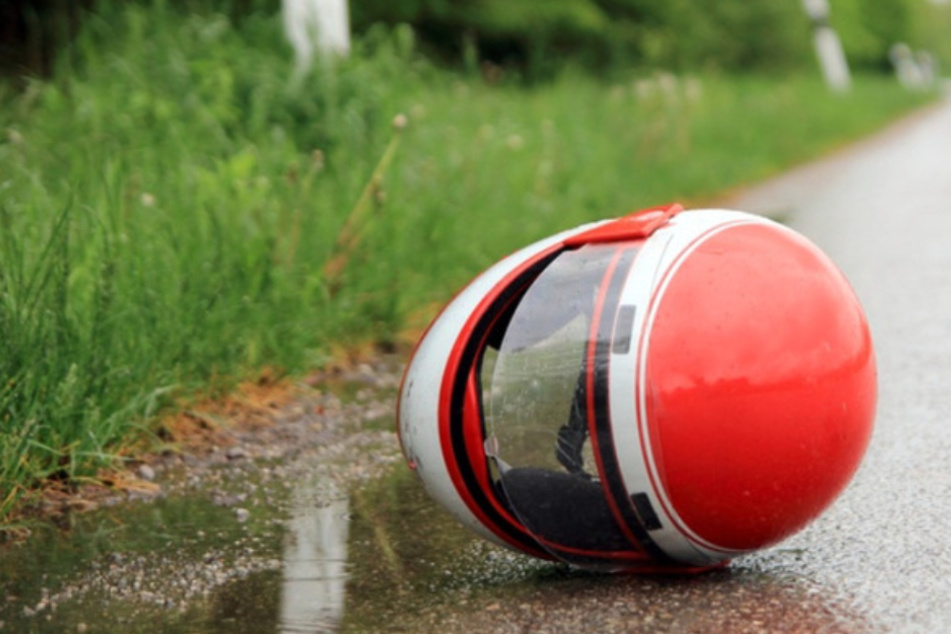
(906, 66)
(835, 68)
(316, 26)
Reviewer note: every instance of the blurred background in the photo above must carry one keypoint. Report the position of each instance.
(539, 37)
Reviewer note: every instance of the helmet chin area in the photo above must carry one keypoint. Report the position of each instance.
(656, 393)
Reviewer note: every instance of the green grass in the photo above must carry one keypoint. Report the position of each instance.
(169, 204)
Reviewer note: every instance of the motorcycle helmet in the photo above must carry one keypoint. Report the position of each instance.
(658, 392)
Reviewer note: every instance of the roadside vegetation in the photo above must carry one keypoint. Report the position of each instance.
(177, 215)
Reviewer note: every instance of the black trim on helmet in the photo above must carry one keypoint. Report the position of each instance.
(613, 480)
(499, 309)
(483, 334)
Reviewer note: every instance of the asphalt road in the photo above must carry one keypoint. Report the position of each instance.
(881, 557)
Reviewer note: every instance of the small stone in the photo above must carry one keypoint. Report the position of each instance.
(220, 498)
(235, 453)
(82, 627)
(146, 472)
(242, 515)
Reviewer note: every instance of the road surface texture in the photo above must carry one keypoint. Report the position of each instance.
(883, 213)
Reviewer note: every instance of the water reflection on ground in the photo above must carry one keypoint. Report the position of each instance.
(315, 566)
(413, 569)
(192, 563)
(382, 559)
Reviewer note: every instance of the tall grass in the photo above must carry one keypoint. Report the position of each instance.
(171, 206)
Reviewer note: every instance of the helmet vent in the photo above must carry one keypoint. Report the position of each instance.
(623, 327)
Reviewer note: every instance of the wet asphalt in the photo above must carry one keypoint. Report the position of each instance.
(881, 556)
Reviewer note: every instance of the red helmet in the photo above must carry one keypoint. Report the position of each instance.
(663, 391)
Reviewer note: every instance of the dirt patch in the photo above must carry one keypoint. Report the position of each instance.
(348, 404)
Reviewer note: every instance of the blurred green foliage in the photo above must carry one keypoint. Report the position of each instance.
(868, 28)
(540, 37)
(728, 35)
(677, 34)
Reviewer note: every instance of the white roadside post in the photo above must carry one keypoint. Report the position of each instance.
(835, 68)
(906, 67)
(316, 26)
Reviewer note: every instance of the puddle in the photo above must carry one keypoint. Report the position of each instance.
(413, 569)
(273, 549)
(253, 556)
(183, 562)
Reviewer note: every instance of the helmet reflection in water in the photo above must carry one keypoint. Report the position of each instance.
(659, 392)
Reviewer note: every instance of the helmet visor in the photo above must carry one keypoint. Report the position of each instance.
(538, 410)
